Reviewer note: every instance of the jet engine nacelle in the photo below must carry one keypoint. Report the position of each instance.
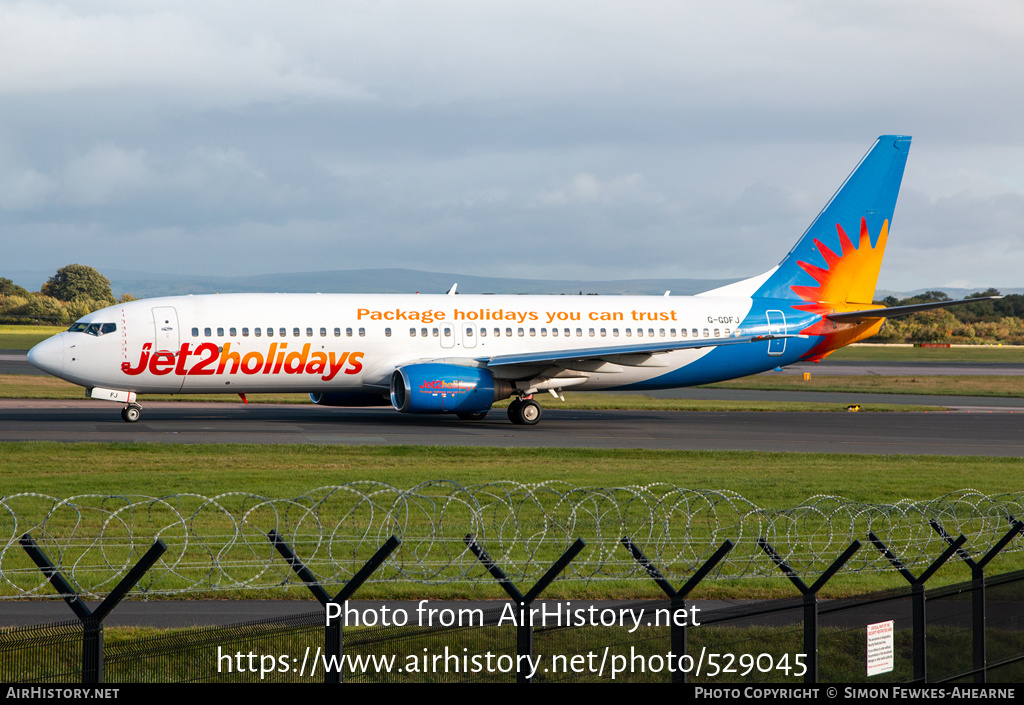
(436, 388)
(348, 399)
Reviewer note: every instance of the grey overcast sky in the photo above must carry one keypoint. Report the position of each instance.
(555, 139)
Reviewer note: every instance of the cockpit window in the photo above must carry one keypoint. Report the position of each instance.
(96, 329)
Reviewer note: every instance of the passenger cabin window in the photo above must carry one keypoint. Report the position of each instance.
(282, 331)
(257, 332)
(362, 332)
(348, 332)
(270, 332)
(323, 332)
(337, 332)
(295, 332)
(207, 332)
(309, 332)
(195, 332)
(412, 332)
(232, 332)
(245, 332)
(220, 332)
(387, 332)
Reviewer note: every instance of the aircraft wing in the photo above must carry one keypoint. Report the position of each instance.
(876, 313)
(553, 356)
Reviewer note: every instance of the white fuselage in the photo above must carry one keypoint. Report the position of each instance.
(238, 343)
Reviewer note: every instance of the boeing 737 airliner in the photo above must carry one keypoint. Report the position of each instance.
(442, 354)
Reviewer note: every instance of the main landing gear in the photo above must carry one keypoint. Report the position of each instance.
(524, 412)
(131, 413)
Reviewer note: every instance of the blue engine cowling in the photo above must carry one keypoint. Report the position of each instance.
(348, 399)
(436, 388)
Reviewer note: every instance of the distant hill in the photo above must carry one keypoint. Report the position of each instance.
(386, 281)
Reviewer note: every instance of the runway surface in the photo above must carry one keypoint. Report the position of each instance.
(934, 433)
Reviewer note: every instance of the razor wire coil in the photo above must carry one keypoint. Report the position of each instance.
(219, 543)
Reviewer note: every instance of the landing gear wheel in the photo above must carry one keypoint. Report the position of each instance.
(524, 412)
(131, 413)
(472, 416)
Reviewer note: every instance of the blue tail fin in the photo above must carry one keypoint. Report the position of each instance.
(837, 259)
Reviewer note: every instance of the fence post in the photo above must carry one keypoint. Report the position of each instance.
(92, 620)
(917, 598)
(978, 592)
(524, 627)
(810, 595)
(677, 598)
(333, 636)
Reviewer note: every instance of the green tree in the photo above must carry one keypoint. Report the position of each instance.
(9, 288)
(77, 281)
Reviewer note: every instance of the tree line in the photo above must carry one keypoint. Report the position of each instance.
(984, 322)
(69, 294)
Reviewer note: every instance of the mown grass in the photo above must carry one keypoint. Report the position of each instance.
(768, 480)
(24, 337)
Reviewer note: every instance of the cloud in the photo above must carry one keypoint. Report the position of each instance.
(104, 175)
(169, 52)
(587, 189)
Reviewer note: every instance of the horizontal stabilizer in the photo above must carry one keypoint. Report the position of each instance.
(893, 311)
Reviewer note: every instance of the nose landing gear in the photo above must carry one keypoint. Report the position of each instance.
(131, 413)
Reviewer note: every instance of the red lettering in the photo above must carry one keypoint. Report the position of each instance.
(179, 369)
(317, 364)
(205, 365)
(226, 356)
(354, 360)
(253, 357)
(295, 363)
(161, 363)
(335, 366)
(270, 359)
(143, 362)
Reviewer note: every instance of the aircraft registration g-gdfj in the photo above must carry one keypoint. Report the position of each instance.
(443, 354)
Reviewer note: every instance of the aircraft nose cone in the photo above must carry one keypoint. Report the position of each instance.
(49, 355)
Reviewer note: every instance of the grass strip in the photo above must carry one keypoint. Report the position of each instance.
(769, 480)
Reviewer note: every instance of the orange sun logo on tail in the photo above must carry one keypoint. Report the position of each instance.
(847, 284)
